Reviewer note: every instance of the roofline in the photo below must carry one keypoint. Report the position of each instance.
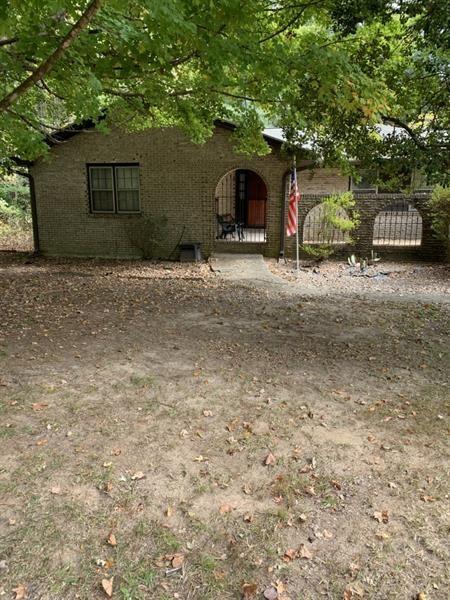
(232, 127)
(74, 129)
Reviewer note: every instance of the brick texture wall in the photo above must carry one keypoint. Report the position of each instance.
(178, 179)
(369, 206)
(322, 181)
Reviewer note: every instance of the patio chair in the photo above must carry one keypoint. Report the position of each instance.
(229, 226)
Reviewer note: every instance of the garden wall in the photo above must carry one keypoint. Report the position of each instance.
(397, 234)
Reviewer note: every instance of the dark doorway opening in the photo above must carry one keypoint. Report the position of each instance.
(241, 199)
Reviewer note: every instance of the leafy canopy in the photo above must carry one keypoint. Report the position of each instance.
(328, 72)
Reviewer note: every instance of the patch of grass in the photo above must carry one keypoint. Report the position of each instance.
(142, 380)
(137, 580)
(6, 432)
(165, 541)
(99, 477)
(63, 578)
(207, 563)
(205, 576)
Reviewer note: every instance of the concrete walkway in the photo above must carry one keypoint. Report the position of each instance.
(249, 268)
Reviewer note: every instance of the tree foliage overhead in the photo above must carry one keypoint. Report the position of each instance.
(328, 72)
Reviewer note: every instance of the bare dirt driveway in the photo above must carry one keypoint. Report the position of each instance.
(165, 433)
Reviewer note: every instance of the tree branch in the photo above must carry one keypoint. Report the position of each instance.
(291, 22)
(8, 41)
(48, 64)
(412, 134)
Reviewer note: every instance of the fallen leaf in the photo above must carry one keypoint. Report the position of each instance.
(177, 561)
(310, 490)
(353, 591)
(20, 592)
(38, 406)
(426, 498)
(270, 459)
(138, 475)
(327, 534)
(219, 575)
(248, 518)
(112, 541)
(107, 585)
(225, 508)
(281, 591)
(381, 516)
(200, 458)
(56, 490)
(289, 555)
(303, 552)
(249, 590)
(232, 425)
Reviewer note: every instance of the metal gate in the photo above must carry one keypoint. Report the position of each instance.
(241, 199)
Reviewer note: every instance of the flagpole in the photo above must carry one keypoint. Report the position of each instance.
(296, 220)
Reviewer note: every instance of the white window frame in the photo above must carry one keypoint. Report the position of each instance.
(113, 167)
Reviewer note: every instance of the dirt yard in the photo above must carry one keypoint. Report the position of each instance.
(166, 434)
(386, 277)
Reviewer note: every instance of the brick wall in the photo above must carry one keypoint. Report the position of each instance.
(369, 206)
(177, 179)
(322, 181)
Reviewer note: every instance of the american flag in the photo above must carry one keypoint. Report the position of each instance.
(294, 197)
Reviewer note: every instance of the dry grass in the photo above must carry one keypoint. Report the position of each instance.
(18, 239)
(166, 370)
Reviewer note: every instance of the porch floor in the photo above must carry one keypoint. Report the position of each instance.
(249, 235)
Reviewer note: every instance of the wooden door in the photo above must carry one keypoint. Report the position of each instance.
(256, 200)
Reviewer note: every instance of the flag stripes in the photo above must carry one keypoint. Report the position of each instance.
(294, 197)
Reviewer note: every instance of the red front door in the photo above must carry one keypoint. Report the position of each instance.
(256, 200)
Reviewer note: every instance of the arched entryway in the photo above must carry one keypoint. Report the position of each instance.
(240, 207)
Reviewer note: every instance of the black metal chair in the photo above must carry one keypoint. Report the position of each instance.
(229, 226)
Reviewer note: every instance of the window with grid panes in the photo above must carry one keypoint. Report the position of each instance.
(114, 188)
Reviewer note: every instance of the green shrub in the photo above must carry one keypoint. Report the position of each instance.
(147, 234)
(337, 214)
(439, 206)
(319, 252)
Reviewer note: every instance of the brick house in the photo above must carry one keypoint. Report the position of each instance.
(95, 188)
